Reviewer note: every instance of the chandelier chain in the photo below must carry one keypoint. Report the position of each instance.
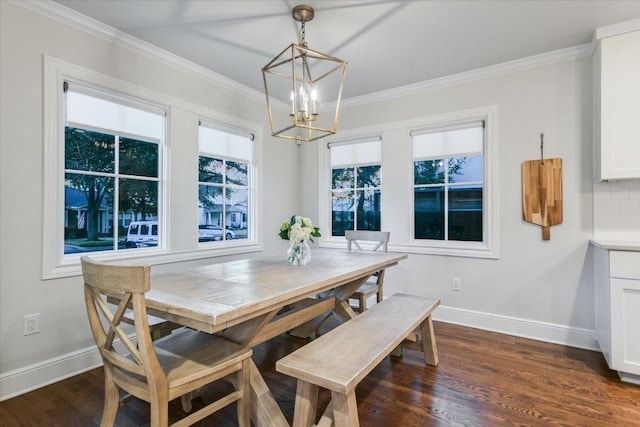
(303, 41)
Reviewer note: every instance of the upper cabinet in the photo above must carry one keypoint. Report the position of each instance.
(616, 74)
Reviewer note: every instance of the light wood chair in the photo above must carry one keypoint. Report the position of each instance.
(160, 371)
(377, 240)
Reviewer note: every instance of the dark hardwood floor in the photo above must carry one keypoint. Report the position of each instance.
(484, 379)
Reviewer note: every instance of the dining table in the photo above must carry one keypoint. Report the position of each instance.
(250, 301)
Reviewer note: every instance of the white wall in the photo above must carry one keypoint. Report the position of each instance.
(64, 344)
(536, 288)
(541, 289)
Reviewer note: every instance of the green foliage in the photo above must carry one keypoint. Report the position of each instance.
(303, 222)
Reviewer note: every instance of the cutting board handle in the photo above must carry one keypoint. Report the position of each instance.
(546, 232)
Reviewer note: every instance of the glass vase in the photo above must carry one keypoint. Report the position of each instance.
(299, 253)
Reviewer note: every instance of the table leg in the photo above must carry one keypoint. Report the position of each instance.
(342, 309)
(265, 411)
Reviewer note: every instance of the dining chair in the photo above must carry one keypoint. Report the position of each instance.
(157, 371)
(372, 240)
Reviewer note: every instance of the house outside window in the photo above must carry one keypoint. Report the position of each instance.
(449, 182)
(112, 169)
(225, 167)
(355, 185)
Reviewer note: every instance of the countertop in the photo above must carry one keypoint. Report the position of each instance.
(617, 245)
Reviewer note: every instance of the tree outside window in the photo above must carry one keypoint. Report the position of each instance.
(111, 177)
(224, 169)
(448, 184)
(355, 186)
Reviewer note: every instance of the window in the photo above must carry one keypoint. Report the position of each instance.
(355, 186)
(448, 183)
(224, 183)
(112, 164)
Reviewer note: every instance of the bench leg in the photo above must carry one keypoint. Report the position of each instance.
(327, 417)
(304, 412)
(345, 409)
(429, 342)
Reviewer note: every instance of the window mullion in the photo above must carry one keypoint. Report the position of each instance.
(116, 193)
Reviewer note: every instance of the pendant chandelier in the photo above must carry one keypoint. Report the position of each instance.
(309, 83)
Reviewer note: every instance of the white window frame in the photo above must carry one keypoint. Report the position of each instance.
(117, 175)
(396, 141)
(488, 248)
(354, 165)
(54, 263)
(252, 183)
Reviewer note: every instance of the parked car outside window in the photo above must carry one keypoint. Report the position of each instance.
(209, 233)
(141, 234)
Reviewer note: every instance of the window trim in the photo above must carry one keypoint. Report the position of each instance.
(488, 248)
(355, 189)
(54, 263)
(252, 182)
(392, 136)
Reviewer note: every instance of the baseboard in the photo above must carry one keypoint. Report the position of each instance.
(23, 380)
(525, 328)
(32, 377)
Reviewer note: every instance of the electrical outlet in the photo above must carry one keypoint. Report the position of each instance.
(32, 324)
(456, 284)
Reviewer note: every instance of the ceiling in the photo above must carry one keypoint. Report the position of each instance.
(388, 44)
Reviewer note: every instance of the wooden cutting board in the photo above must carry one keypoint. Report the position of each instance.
(542, 193)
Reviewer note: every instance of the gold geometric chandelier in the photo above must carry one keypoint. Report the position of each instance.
(310, 84)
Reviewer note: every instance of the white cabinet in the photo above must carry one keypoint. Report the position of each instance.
(617, 275)
(616, 74)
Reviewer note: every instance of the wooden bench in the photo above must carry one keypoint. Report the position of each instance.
(340, 359)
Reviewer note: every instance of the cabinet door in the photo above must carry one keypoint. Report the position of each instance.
(625, 325)
(620, 106)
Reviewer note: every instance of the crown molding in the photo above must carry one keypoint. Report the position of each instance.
(527, 63)
(615, 29)
(99, 29)
(106, 32)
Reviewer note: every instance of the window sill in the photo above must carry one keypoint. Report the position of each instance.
(469, 250)
(70, 265)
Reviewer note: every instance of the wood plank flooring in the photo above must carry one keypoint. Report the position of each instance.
(484, 379)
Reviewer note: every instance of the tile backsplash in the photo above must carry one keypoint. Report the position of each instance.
(616, 210)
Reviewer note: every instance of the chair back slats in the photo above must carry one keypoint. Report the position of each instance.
(355, 237)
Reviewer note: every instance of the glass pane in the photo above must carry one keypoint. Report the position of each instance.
(139, 198)
(466, 169)
(138, 158)
(88, 203)
(235, 214)
(237, 173)
(429, 213)
(368, 210)
(465, 214)
(342, 178)
(88, 151)
(428, 172)
(343, 211)
(368, 176)
(210, 170)
(209, 213)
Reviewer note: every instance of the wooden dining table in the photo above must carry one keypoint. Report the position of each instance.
(250, 301)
